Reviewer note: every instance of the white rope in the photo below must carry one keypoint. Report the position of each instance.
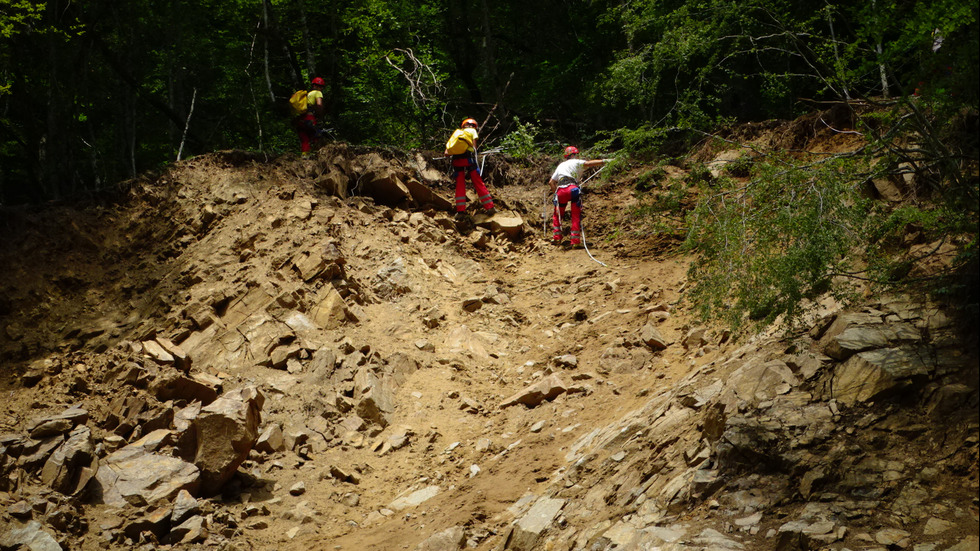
(486, 154)
(582, 226)
(593, 175)
(586, 244)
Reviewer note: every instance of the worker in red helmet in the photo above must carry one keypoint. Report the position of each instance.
(565, 186)
(461, 147)
(305, 123)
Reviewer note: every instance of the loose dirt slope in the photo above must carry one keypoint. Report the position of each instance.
(313, 281)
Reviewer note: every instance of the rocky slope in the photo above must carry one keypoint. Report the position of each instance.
(252, 353)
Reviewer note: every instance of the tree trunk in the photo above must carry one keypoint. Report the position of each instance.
(265, 49)
(883, 73)
(838, 68)
(461, 48)
(489, 51)
(310, 59)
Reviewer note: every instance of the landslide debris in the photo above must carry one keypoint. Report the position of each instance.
(255, 353)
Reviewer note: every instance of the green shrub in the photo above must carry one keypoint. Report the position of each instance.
(739, 168)
(699, 173)
(766, 247)
(648, 180)
(521, 141)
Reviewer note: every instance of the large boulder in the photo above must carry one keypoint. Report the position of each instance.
(450, 539)
(375, 397)
(510, 225)
(384, 185)
(528, 530)
(31, 536)
(859, 338)
(870, 374)
(423, 195)
(58, 424)
(225, 432)
(758, 380)
(330, 310)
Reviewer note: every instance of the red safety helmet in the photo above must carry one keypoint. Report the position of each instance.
(318, 82)
(469, 122)
(571, 150)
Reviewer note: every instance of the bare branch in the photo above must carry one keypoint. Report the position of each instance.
(418, 76)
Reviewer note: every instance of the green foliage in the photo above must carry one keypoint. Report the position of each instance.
(520, 142)
(699, 173)
(660, 207)
(643, 142)
(92, 93)
(740, 168)
(766, 247)
(18, 16)
(647, 180)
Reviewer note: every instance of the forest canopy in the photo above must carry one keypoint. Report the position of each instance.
(92, 93)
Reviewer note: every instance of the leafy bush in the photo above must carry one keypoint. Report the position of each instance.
(798, 230)
(699, 173)
(768, 246)
(521, 141)
(647, 180)
(740, 168)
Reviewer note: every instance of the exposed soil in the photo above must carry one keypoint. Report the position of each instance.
(82, 282)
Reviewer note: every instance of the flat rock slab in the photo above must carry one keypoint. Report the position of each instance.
(414, 499)
(131, 476)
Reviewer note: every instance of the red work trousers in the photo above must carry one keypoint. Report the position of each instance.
(465, 165)
(306, 128)
(568, 193)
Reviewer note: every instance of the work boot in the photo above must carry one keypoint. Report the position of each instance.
(491, 211)
(460, 215)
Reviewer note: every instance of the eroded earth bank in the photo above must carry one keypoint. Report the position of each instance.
(299, 354)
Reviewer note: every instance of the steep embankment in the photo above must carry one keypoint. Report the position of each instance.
(426, 380)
